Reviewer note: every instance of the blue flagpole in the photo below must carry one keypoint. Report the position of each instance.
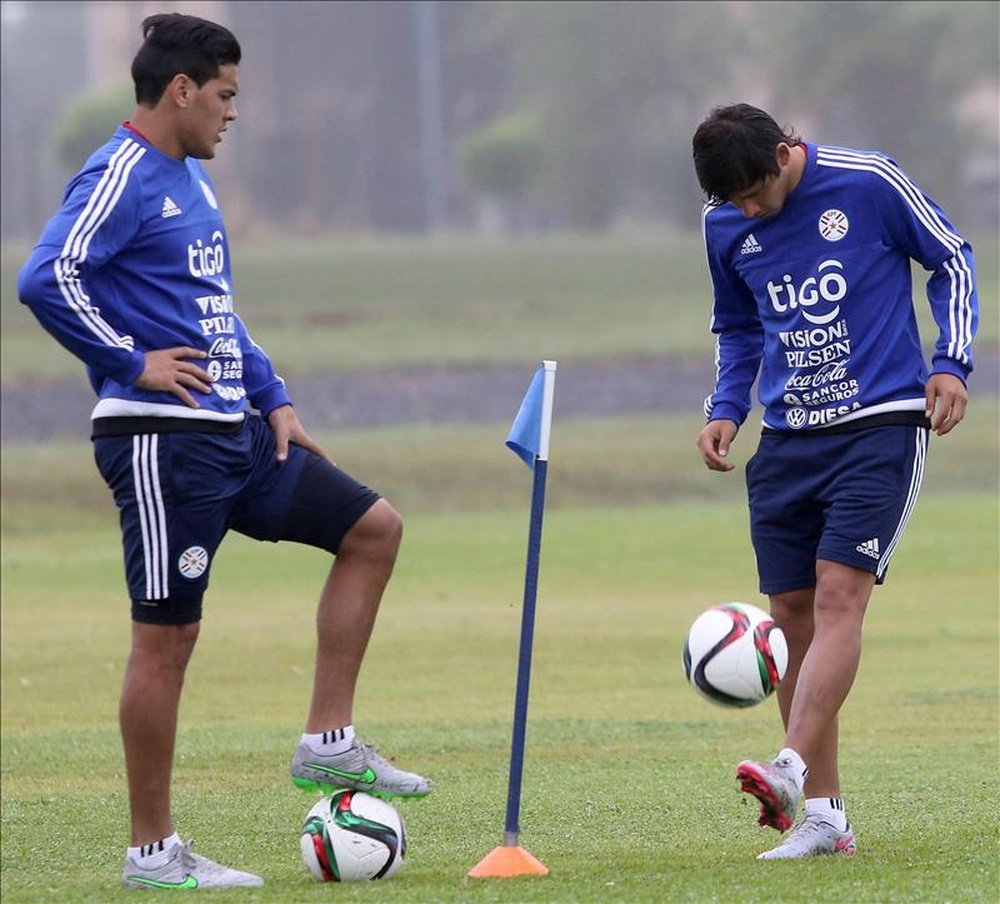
(529, 440)
(512, 826)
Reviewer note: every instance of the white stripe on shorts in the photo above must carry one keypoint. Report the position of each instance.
(916, 478)
(152, 517)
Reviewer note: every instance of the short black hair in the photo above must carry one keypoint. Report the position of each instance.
(734, 148)
(177, 43)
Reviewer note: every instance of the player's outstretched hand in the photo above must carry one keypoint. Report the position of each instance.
(714, 441)
(947, 399)
(284, 422)
(168, 370)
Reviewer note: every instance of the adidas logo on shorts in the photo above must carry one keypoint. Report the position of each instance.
(869, 548)
(750, 246)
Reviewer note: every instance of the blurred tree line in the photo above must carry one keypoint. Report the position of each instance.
(400, 115)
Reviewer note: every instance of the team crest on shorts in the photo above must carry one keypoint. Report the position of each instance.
(833, 225)
(193, 562)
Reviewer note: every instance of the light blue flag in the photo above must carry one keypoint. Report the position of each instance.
(528, 437)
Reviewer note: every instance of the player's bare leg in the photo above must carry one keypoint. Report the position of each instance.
(344, 622)
(793, 612)
(828, 670)
(823, 662)
(816, 835)
(147, 714)
(154, 678)
(346, 613)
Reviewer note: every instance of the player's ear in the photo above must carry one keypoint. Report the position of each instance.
(179, 89)
(783, 153)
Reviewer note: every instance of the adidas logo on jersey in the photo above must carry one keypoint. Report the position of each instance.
(170, 209)
(869, 548)
(750, 246)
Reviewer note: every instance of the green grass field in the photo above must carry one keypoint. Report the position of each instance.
(628, 789)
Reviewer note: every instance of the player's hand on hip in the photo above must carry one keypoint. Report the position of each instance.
(947, 399)
(168, 370)
(285, 425)
(714, 441)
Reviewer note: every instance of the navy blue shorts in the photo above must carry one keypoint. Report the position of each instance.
(845, 497)
(178, 493)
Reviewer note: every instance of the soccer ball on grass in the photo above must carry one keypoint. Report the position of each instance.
(351, 835)
(735, 654)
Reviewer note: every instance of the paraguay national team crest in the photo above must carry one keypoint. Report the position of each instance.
(833, 225)
(193, 562)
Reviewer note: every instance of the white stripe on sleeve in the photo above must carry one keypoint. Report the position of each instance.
(99, 207)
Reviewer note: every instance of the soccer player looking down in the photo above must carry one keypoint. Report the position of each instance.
(195, 433)
(809, 251)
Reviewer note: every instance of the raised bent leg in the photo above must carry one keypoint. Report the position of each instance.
(346, 614)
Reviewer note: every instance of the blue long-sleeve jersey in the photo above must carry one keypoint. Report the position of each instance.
(819, 298)
(135, 260)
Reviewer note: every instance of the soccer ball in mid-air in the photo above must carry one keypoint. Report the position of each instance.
(735, 654)
(351, 835)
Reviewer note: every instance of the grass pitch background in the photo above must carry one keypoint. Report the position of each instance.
(628, 788)
(366, 303)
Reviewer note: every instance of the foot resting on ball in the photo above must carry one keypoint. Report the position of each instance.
(359, 767)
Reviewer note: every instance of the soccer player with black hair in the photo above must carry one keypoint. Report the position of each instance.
(809, 250)
(195, 434)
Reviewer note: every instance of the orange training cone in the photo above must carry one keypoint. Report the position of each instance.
(508, 860)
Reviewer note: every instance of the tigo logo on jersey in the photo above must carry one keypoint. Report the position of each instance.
(170, 209)
(750, 246)
(833, 225)
(193, 562)
(207, 261)
(830, 285)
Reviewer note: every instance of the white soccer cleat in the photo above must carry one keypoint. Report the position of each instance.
(774, 785)
(814, 837)
(360, 767)
(186, 869)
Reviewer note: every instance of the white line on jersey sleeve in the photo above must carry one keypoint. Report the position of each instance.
(99, 207)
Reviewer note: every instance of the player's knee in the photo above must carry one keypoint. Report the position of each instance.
(793, 611)
(842, 592)
(164, 648)
(377, 534)
(387, 525)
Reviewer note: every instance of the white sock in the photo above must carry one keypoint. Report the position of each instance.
(332, 742)
(801, 770)
(829, 809)
(154, 854)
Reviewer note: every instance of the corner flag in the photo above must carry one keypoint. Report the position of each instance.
(529, 434)
(529, 440)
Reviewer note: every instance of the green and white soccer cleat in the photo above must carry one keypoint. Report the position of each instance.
(360, 767)
(186, 869)
(774, 785)
(813, 837)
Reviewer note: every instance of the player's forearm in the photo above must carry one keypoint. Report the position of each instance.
(954, 302)
(58, 298)
(737, 357)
